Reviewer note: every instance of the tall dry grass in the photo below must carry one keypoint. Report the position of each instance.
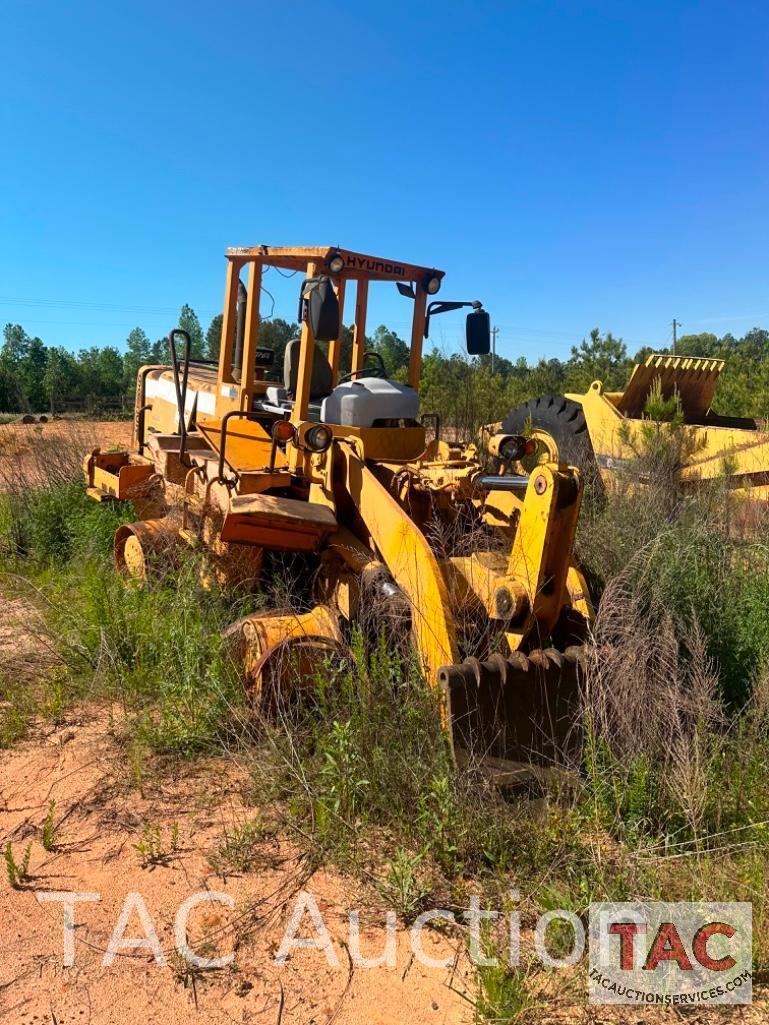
(44, 455)
(675, 701)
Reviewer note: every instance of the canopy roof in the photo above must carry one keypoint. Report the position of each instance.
(356, 265)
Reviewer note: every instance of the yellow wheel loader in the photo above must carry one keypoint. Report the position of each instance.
(476, 567)
(600, 431)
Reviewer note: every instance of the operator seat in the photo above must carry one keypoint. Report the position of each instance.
(321, 384)
(363, 402)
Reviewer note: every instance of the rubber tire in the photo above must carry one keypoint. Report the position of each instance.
(564, 420)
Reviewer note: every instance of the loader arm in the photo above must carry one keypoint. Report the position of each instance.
(405, 551)
(544, 541)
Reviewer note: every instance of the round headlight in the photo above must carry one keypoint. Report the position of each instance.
(336, 263)
(516, 447)
(318, 438)
(432, 284)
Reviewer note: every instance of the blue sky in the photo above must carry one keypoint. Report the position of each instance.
(572, 164)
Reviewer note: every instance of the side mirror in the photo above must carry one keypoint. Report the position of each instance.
(322, 308)
(478, 333)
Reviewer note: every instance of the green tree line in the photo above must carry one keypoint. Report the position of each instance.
(465, 392)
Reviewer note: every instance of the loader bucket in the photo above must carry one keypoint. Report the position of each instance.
(692, 378)
(521, 708)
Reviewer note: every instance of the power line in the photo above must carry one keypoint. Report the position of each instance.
(77, 304)
(91, 306)
(99, 323)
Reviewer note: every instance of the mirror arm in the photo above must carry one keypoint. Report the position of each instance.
(444, 306)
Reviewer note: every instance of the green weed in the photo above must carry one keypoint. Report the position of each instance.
(58, 523)
(49, 827)
(341, 777)
(17, 872)
(13, 725)
(157, 649)
(506, 994)
(404, 886)
(154, 848)
(239, 849)
(443, 824)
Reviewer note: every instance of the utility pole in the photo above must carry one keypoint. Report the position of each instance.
(676, 324)
(494, 333)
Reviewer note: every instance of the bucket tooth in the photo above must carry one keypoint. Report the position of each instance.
(477, 669)
(577, 654)
(555, 656)
(500, 665)
(539, 658)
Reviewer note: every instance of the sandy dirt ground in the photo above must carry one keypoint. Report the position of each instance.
(99, 821)
(102, 818)
(106, 432)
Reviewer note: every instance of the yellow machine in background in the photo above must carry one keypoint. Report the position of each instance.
(339, 467)
(601, 429)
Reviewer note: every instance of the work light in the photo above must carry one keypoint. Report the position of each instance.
(318, 438)
(516, 447)
(432, 284)
(336, 263)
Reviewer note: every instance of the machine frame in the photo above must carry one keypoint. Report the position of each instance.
(215, 467)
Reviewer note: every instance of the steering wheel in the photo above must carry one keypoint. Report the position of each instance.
(380, 370)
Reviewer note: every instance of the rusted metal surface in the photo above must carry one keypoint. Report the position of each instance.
(521, 706)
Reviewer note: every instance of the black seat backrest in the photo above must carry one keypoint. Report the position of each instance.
(321, 384)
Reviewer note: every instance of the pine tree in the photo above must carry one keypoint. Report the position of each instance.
(393, 350)
(214, 337)
(603, 358)
(188, 321)
(138, 352)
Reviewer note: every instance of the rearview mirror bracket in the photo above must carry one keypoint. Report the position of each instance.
(444, 306)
